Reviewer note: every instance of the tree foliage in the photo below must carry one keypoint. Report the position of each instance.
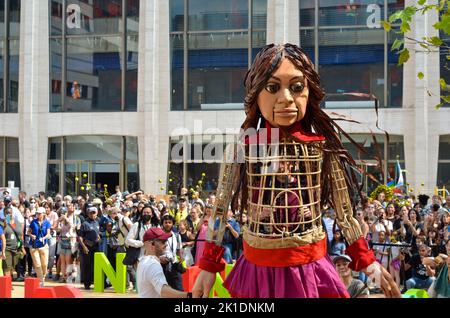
(403, 19)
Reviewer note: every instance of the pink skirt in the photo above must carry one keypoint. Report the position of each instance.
(317, 279)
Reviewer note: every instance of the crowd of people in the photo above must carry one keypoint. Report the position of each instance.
(55, 238)
(409, 237)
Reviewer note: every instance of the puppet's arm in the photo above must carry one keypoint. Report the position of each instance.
(211, 260)
(358, 249)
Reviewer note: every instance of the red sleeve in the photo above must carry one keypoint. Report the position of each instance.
(361, 255)
(211, 260)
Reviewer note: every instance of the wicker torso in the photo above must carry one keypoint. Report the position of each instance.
(284, 194)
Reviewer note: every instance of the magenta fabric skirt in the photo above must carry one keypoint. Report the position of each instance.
(318, 279)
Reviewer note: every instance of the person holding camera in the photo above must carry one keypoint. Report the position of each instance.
(171, 258)
(232, 231)
(39, 232)
(69, 224)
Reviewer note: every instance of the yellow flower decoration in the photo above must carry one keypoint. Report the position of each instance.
(105, 185)
(162, 188)
(84, 175)
(170, 192)
(76, 179)
(203, 174)
(82, 188)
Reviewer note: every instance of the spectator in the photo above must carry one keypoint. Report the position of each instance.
(89, 239)
(2, 244)
(398, 227)
(187, 242)
(446, 205)
(390, 212)
(52, 217)
(355, 287)
(13, 245)
(29, 217)
(136, 234)
(382, 224)
(39, 233)
(151, 280)
(124, 225)
(383, 252)
(112, 242)
(230, 236)
(70, 224)
(337, 246)
(422, 275)
(440, 288)
(171, 259)
(413, 229)
(193, 219)
(182, 212)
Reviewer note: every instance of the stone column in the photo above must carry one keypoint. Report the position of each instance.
(33, 94)
(421, 147)
(283, 22)
(153, 94)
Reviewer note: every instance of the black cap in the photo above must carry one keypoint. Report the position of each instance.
(7, 198)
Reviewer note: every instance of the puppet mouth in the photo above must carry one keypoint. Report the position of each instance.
(287, 112)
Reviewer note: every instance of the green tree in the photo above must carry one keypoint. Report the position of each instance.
(429, 44)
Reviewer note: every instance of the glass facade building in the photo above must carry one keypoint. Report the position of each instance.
(9, 55)
(73, 109)
(352, 52)
(94, 55)
(212, 44)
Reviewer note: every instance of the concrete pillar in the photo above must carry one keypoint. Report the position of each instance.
(33, 94)
(154, 93)
(283, 22)
(421, 148)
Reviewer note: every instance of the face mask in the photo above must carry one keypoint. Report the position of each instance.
(116, 218)
(147, 218)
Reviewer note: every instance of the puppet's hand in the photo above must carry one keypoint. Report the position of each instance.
(203, 284)
(383, 279)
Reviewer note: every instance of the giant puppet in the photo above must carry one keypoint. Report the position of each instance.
(283, 182)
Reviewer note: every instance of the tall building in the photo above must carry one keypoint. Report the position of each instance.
(145, 93)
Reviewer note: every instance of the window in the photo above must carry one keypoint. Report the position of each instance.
(212, 45)
(94, 64)
(194, 162)
(351, 52)
(79, 164)
(443, 178)
(9, 161)
(9, 55)
(388, 152)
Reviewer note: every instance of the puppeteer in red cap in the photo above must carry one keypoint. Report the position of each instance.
(155, 233)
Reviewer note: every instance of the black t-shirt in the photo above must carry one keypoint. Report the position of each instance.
(90, 230)
(418, 269)
(410, 238)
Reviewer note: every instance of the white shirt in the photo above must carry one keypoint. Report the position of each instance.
(150, 277)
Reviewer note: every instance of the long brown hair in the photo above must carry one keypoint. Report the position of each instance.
(315, 120)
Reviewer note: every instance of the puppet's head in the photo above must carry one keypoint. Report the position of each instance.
(282, 87)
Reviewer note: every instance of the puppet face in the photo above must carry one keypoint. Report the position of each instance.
(283, 100)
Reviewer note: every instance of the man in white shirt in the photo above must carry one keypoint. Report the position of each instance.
(150, 276)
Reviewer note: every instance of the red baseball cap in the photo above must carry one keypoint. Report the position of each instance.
(156, 233)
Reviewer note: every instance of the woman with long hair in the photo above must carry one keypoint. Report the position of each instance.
(294, 163)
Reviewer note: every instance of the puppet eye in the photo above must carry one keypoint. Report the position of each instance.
(297, 87)
(272, 87)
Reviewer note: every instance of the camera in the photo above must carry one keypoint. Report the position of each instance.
(63, 210)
